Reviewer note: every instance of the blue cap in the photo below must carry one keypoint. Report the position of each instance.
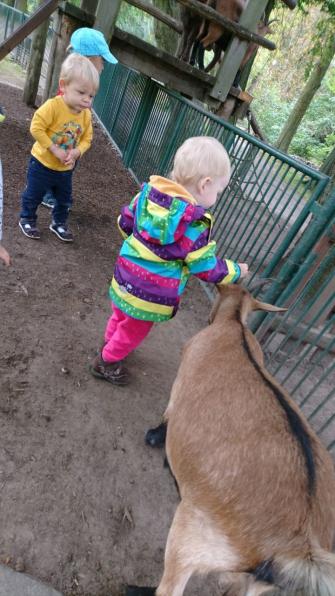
(91, 42)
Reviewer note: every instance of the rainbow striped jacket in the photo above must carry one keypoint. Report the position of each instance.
(167, 239)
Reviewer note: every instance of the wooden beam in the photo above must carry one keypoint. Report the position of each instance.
(175, 74)
(36, 19)
(241, 31)
(89, 5)
(83, 18)
(106, 15)
(236, 50)
(158, 14)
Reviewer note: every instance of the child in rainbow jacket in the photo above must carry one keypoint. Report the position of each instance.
(167, 231)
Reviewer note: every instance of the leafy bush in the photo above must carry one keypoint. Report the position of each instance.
(315, 136)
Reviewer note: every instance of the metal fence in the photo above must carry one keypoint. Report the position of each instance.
(271, 216)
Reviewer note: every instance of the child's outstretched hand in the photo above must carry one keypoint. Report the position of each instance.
(4, 256)
(244, 269)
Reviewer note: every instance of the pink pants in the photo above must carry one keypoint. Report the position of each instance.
(123, 334)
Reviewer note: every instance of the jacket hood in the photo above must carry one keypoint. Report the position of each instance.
(165, 209)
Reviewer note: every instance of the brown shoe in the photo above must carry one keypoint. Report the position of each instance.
(113, 372)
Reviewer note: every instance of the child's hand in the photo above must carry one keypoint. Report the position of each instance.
(244, 269)
(4, 256)
(61, 154)
(71, 157)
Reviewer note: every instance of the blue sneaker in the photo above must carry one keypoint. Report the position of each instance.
(62, 232)
(48, 200)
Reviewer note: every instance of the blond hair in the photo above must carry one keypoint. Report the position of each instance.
(199, 157)
(76, 66)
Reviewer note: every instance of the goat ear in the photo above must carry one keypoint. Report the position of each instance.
(258, 305)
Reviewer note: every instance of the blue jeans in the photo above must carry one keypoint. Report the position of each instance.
(41, 179)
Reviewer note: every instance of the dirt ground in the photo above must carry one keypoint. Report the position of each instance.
(85, 505)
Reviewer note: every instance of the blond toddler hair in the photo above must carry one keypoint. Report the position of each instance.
(200, 157)
(75, 67)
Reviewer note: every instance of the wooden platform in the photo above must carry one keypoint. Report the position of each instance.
(161, 66)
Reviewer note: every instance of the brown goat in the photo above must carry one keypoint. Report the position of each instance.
(257, 487)
(191, 26)
(221, 44)
(232, 10)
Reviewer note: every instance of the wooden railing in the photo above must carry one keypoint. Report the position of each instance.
(209, 14)
(38, 17)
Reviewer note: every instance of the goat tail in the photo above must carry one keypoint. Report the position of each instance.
(312, 576)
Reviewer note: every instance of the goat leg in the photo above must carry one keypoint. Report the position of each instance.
(177, 569)
(215, 59)
(194, 544)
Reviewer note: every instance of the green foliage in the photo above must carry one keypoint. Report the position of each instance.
(327, 6)
(137, 22)
(316, 134)
(278, 78)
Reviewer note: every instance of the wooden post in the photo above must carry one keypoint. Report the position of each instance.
(69, 19)
(236, 50)
(35, 62)
(89, 5)
(106, 15)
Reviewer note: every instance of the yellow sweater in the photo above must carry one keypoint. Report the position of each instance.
(54, 123)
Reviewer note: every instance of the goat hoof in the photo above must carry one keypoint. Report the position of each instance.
(155, 437)
(138, 591)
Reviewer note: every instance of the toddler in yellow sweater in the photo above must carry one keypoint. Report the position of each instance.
(62, 129)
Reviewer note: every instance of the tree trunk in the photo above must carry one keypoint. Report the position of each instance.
(89, 5)
(21, 5)
(166, 38)
(328, 166)
(35, 62)
(308, 92)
